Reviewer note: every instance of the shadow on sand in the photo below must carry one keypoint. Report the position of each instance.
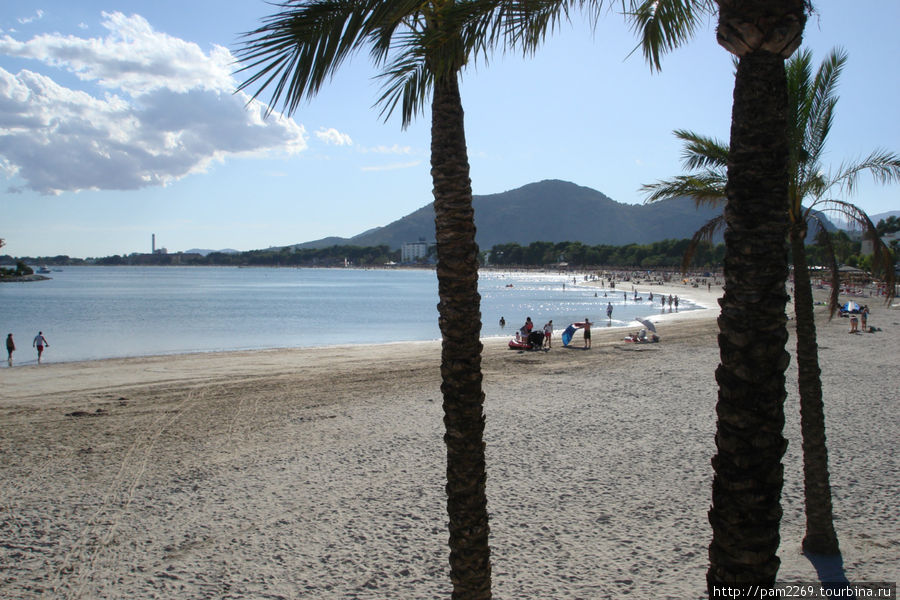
(830, 570)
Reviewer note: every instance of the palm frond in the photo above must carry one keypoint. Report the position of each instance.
(386, 19)
(663, 25)
(822, 101)
(701, 152)
(706, 188)
(882, 256)
(883, 166)
(526, 23)
(298, 49)
(704, 234)
(798, 71)
(823, 238)
(406, 83)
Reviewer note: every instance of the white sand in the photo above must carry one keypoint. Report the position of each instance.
(319, 473)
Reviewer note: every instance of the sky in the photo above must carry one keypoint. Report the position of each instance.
(119, 120)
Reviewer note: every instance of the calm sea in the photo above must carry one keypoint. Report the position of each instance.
(107, 312)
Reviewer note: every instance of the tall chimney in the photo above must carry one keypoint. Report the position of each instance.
(153, 243)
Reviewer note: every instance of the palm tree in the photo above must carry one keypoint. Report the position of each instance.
(423, 45)
(746, 496)
(811, 101)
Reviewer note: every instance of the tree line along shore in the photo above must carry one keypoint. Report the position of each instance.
(666, 254)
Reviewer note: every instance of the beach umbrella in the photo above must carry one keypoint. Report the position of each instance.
(648, 324)
(850, 307)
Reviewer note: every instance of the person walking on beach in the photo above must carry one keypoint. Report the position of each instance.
(609, 310)
(864, 317)
(39, 342)
(548, 332)
(676, 303)
(587, 333)
(10, 348)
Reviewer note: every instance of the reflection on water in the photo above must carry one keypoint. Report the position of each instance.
(105, 312)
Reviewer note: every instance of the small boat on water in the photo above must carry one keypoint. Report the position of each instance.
(43, 270)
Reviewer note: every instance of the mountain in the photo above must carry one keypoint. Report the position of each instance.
(885, 215)
(551, 211)
(852, 228)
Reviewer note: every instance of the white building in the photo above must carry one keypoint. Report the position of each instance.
(868, 247)
(413, 251)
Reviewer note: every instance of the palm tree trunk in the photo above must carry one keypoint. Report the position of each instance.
(460, 323)
(820, 535)
(746, 496)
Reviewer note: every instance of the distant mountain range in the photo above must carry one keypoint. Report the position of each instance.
(884, 215)
(551, 211)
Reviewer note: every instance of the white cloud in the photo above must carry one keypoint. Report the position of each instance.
(133, 57)
(334, 137)
(168, 111)
(395, 149)
(394, 166)
(38, 14)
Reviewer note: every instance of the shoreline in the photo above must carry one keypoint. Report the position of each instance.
(704, 300)
(18, 380)
(674, 325)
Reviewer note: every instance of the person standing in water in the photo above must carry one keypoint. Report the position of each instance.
(609, 309)
(10, 348)
(39, 342)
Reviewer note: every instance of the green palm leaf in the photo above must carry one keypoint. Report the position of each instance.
(663, 25)
(706, 188)
(300, 48)
(812, 101)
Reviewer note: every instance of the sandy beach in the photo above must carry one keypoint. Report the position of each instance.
(319, 473)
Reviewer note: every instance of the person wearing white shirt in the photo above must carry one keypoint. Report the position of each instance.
(39, 342)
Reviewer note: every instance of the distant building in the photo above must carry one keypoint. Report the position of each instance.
(153, 248)
(413, 251)
(868, 247)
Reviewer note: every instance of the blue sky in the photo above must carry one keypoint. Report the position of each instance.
(118, 120)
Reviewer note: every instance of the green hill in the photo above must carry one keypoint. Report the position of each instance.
(553, 211)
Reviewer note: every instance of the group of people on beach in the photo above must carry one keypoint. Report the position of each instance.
(523, 334)
(39, 342)
(672, 300)
(856, 317)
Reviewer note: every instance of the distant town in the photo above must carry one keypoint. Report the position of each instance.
(665, 254)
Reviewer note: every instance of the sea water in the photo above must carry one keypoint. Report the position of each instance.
(91, 313)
